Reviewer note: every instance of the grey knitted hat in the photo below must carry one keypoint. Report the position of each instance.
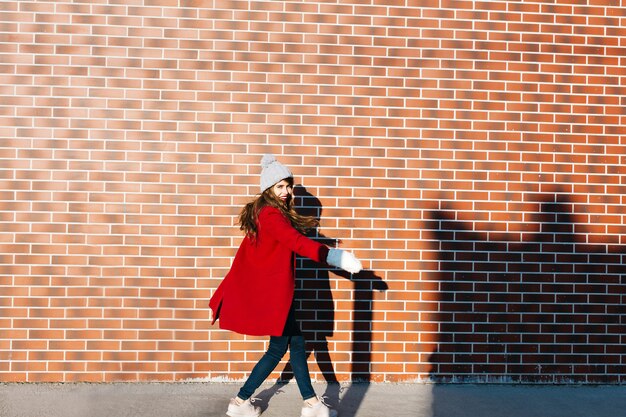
(272, 172)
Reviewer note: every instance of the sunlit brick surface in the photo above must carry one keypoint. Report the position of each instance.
(471, 153)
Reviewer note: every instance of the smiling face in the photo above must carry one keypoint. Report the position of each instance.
(284, 191)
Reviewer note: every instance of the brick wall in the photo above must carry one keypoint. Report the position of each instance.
(471, 153)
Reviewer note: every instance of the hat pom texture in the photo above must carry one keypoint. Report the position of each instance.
(272, 171)
(267, 160)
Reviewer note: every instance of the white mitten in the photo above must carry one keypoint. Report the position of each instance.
(344, 260)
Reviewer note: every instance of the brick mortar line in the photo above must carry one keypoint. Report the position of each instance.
(351, 117)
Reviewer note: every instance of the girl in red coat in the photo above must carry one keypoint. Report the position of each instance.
(256, 296)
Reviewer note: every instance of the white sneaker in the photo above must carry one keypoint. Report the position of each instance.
(318, 410)
(246, 409)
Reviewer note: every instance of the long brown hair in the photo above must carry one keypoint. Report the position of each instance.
(248, 218)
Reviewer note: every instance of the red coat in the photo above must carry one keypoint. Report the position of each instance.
(255, 296)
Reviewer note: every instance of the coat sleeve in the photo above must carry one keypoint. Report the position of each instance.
(273, 224)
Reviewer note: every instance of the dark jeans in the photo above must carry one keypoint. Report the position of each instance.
(292, 339)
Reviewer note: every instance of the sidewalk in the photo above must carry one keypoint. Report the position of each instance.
(359, 400)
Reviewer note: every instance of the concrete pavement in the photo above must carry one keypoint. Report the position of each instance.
(203, 399)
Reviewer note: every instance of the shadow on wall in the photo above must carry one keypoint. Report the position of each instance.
(316, 313)
(548, 309)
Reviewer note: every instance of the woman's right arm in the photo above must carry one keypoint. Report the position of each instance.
(273, 221)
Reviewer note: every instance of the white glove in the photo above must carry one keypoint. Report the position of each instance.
(344, 260)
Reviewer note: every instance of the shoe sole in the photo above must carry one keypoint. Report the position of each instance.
(242, 415)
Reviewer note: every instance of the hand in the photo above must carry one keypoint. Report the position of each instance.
(344, 260)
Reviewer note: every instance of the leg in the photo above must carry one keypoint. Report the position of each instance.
(297, 353)
(298, 357)
(265, 366)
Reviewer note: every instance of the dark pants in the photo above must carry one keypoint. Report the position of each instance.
(292, 338)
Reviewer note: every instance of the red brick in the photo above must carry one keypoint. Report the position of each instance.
(392, 120)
